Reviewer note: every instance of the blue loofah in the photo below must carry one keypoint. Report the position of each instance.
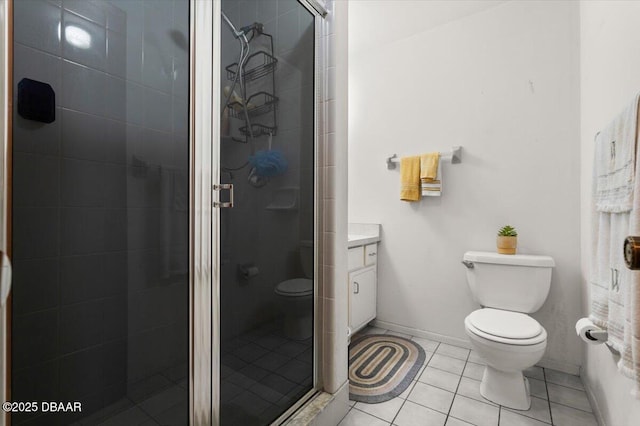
(269, 163)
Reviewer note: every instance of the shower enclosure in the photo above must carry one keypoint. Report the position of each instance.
(266, 239)
(161, 214)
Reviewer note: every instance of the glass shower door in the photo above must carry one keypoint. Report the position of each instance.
(267, 237)
(100, 208)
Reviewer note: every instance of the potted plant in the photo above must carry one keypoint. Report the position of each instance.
(507, 240)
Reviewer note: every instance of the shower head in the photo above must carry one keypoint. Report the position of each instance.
(236, 33)
(255, 27)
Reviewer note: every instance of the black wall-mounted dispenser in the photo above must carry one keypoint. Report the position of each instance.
(36, 101)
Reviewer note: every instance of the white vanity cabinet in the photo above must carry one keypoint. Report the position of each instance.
(363, 285)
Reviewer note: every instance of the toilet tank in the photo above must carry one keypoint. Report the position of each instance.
(512, 282)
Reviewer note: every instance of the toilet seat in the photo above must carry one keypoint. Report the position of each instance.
(296, 287)
(513, 328)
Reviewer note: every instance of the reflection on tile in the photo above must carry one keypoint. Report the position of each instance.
(452, 421)
(474, 371)
(474, 412)
(426, 344)
(539, 410)
(570, 397)
(412, 414)
(510, 418)
(35, 285)
(38, 178)
(563, 379)
(534, 372)
(476, 358)
(84, 42)
(359, 418)
(38, 27)
(384, 410)
(567, 416)
(132, 416)
(453, 351)
(439, 378)
(408, 390)
(93, 11)
(471, 388)
(164, 400)
(83, 88)
(446, 363)
(271, 361)
(538, 388)
(432, 397)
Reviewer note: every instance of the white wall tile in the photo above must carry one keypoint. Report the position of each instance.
(39, 25)
(83, 41)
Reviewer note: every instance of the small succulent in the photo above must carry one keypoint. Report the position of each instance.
(507, 231)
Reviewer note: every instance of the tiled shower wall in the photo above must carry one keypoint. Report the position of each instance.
(251, 233)
(333, 135)
(100, 200)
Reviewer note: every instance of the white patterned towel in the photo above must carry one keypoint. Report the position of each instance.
(615, 290)
(615, 154)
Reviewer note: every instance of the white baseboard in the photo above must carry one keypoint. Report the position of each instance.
(423, 333)
(564, 367)
(592, 398)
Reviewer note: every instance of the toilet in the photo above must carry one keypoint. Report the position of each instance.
(508, 287)
(296, 297)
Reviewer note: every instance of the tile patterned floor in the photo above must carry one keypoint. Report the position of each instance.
(446, 391)
(262, 373)
(161, 399)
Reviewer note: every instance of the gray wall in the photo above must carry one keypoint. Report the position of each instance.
(100, 196)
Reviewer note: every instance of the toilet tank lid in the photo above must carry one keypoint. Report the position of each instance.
(509, 259)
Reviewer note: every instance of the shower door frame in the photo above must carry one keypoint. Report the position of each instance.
(202, 165)
(204, 21)
(6, 75)
(204, 246)
(319, 12)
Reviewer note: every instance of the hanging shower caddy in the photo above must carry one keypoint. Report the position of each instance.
(258, 67)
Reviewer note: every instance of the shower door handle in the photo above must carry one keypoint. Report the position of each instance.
(225, 204)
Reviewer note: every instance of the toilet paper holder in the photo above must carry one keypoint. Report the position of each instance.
(597, 335)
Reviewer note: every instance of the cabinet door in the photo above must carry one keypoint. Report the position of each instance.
(363, 297)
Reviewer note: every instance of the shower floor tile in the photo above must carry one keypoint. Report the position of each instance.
(257, 389)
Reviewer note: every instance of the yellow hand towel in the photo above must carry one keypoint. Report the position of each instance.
(410, 178)
(429, 165)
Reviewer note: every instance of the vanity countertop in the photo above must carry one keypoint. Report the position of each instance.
(361, 234)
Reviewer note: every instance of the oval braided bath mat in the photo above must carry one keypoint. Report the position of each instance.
(381, 367)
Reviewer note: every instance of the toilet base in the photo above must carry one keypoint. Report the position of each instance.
(510, 389)
(298, 327)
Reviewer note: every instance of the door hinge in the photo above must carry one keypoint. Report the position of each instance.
(225, 204)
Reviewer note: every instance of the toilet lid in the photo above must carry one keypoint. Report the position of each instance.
(506, 324)
(295, 287)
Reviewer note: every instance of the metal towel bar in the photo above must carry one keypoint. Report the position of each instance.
(455, 156)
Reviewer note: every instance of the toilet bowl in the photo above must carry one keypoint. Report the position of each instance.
(296, 297)
(509, 342)
(508, 287)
